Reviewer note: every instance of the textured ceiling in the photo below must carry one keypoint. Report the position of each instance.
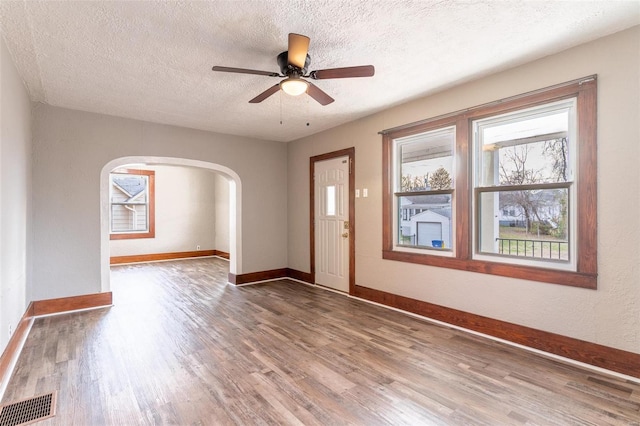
(152, 60)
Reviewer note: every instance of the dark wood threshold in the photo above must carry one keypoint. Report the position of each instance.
(44, 307)
(138, 258)
(272, 274)
(579, 350)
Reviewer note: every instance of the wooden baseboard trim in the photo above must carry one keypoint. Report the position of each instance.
(38, 308)
(14, 347)
(272, 274)
(73, 303)
(252, 277)
(301, 276)
(138, 258)
(612, 359)
(579, 350)
(222, 254)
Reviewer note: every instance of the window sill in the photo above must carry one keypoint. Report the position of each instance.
(447, 252)
(133, 236)
(551, 276)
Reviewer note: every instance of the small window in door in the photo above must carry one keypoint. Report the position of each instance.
(331, 200)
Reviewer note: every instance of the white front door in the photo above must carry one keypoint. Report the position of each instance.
(332, 223)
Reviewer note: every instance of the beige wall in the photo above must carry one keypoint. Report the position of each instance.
(609, 315)
(187, 208)
(15, 196)
(70, 148)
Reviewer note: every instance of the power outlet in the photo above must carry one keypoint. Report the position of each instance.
(198, 247)
(10, 330)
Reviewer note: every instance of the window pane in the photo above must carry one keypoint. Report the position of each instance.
(527, 223)
(129, 198)
(129, 218)
(525, 149)
(331, 200)
(425, 221)
(130, 187)
(525, 127)
(426, 161)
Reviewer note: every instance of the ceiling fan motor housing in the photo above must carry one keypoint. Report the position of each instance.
(287, 69)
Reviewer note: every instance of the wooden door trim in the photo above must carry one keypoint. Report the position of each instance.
(351, 154)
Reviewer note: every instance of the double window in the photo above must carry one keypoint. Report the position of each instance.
(507, 188)
(132, 204)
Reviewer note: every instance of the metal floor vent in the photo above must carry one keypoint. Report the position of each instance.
(29, 410)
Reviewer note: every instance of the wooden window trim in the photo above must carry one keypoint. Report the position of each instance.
(151, 205)
(585, 276)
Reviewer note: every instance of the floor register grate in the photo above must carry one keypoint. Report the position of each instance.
(28, 410)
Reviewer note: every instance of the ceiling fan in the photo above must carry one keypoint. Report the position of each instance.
(294, 64)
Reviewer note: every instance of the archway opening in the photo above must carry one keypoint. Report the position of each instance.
(235, 209)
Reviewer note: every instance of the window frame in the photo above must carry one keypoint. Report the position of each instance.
(584, 90)
(151, 202)
(479, 188)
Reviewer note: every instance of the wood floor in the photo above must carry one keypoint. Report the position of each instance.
(181, 347)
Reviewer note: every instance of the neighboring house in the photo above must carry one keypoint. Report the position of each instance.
(128, 203)
(511, 216)
(548, 209)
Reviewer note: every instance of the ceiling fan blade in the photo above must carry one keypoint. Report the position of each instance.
(264, 95)
(298, 49)
(319, 95)
(246, 71)
(348, 72)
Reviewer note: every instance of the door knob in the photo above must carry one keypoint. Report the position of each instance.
(345, 235)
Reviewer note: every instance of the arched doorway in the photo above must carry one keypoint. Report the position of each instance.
(235, 207)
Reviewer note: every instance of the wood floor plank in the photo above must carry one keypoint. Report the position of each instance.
(180, 346)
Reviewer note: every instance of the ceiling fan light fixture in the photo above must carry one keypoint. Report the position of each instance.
(294, 86)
